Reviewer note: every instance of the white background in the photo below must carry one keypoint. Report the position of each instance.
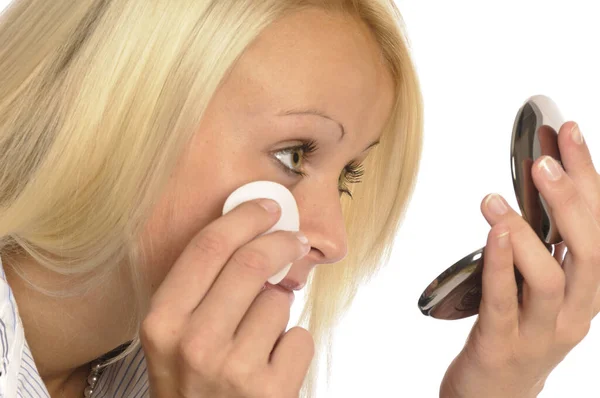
(478, 62)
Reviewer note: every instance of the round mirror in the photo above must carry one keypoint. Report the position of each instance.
(535, 134)
(456, 292)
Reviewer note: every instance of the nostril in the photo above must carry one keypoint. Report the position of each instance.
(318, 254)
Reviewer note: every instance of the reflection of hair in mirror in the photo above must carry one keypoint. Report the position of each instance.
(471, 298)
(548, 140)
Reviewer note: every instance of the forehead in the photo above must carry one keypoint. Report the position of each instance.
(312, 59)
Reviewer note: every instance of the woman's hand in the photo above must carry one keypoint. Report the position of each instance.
(211, 331)
(514, 346)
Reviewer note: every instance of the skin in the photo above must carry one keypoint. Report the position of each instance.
(513, 347)
(308, 60)
(197, 346)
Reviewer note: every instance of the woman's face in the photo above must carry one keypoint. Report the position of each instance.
(306, 61)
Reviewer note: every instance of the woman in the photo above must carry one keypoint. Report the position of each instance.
(125, 124)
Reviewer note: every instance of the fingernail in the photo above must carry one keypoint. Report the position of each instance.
(551, 169)
(292, 297)
(302, 238)
(269, 205)
(496, 205)
(305, 245)
(503, 240)
(576, 135)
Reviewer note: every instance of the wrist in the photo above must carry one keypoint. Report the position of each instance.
(488, 392)
(490, 389)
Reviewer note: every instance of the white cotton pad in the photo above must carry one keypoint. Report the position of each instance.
(289, 220)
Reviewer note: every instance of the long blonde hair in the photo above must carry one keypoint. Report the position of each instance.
(98, 99)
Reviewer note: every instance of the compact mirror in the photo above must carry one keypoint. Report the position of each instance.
(456, 292)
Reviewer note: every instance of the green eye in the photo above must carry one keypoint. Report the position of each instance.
(292, 159)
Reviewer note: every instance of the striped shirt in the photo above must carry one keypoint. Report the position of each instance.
(19, 376)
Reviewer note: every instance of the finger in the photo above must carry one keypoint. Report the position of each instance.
(577, 226)
(499, 308)
(203, 258)
(292, 356)
(241, 281)
(262, 325)
(575, 309)
(543, 286)
(577, 161)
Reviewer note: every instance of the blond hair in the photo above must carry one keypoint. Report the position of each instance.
(98, 100)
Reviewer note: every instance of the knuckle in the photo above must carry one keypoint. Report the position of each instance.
(519, 229)
(197, 357)
(570, 197)
(552, 286)
(211, 243)
(154, 332)
(505, 305)
(572, 336)
(253, 260)
(237, 373)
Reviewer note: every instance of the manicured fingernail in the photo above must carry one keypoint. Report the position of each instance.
(305, 245)
(551, 169)
(269, 205)
(496, 205)
(301, 237)
(503, 240)
(576, 135)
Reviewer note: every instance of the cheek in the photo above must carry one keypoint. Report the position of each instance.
(210, 170)
(191, 201)
(183, 211)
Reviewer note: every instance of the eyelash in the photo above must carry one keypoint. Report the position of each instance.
(353, 172)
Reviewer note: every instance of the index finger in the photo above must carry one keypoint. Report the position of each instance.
(201, 261)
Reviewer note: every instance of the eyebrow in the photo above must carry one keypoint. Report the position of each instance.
(318, 112)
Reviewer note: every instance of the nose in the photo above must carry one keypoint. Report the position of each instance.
(322, 221)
